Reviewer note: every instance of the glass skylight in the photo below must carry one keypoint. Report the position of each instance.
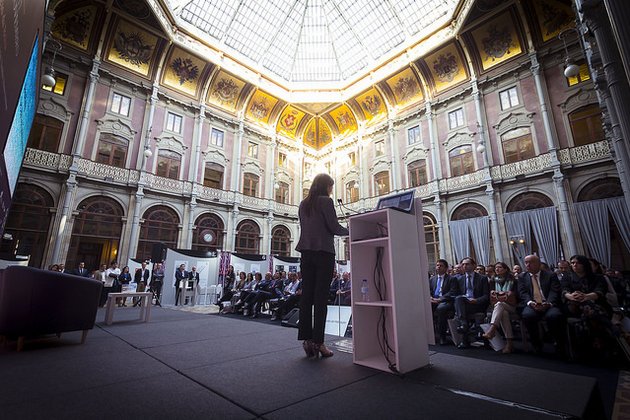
(312, 40)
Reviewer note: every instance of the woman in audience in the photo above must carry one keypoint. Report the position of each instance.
(503, 298)
(584, 294)
(233, 294)
(318, 227)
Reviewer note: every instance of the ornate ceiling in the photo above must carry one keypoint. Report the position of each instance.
(310, 69)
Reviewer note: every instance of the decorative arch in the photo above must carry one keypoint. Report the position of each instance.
(247, 237)
(160, 224)
(528, 201)
(599, 189)
(281, 241)
(578, 99)
(458, 138)
(171, 143)
(514, 120)
(209, 232)
(28, 223)
(52, 108)
(96, 232)
(468, 211)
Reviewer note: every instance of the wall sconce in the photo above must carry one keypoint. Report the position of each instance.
(517, 240)
(570, 68)
(48, 79)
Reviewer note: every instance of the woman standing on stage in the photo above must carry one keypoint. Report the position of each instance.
(318, 226)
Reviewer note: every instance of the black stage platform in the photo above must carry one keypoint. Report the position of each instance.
(187, 365)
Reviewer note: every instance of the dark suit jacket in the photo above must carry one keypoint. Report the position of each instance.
(84, 273)
(179, 276)
(446, 286)
(549, 286)
(194, 276)
(481, 288)
(318, 230)
(140, 275)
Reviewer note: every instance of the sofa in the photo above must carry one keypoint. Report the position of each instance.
(36, 302)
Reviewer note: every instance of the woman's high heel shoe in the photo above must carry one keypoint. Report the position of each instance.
(309, 348)
(323, 350)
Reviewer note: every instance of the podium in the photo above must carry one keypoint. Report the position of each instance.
(389, 330)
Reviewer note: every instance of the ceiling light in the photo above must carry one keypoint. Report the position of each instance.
(48, 79)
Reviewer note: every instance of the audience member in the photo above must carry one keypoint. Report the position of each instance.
(157, 282)
(441, 301)
(516, 270)
(540, 292)
(471, 294)
(503, 298)
(180, 276)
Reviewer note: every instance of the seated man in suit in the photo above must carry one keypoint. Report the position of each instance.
(441, 302)
(540, 293)
(471, 293)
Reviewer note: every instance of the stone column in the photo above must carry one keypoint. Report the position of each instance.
(541, 92)
(486, 150)
(270, 168)
(79, 142)
(144, 156)
(267, 234)
(565, 216)
(395, 155)
(231, 228)
(438, 219)
(494, 224)
(68, 203)
(191, 222)
(433, 142)
(193, 172)
(236, 161)
(594, 15)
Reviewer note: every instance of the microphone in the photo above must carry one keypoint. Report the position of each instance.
(340, 202)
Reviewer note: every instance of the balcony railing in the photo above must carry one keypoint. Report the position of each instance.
(39, 159)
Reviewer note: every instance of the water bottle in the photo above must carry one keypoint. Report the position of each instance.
(364, 291)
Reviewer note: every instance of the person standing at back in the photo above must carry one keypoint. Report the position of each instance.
(318, 226)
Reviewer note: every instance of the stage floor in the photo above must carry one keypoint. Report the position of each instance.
(190, 365)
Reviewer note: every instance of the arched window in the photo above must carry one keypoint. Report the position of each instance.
(282, 192)
(352, 191)
(518, 145)
(213, 175)
(417, 173)
(28, 223)
(431, 238)
(461, 160)
(168, 164)
(112, 150)
(600, 189)
(247, 238)
(45, 133)
(209, 233)
(468, 211)
(381, 183)
(586, 125)
(281, 241)
(250, 184)
(96, 233)
(528, 201)
(161, 225)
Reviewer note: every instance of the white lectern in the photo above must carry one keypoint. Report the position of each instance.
(389, 329)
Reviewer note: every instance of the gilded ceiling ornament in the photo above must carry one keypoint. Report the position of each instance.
(310, 136)
(288, 122)
(405, 88)
(185, 70)
(75, 27)
(498, 42)
(345, 120)
(372, 105)
(554, 19)
(260, 109)
(132, 48)
(445, 67)
(226, 91)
